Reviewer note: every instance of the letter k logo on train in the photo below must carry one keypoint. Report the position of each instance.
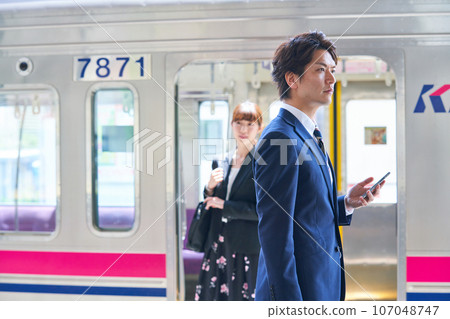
(435, 98)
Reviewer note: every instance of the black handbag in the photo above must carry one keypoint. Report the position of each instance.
(200, 224)
(199, 229)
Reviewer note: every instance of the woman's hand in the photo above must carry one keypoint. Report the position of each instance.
(214, 202)
(216, 178)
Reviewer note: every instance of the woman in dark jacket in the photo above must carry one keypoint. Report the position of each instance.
(230, 262)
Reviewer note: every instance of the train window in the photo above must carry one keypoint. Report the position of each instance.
(28, 161)
(371, 144)
(113, 180)
(214, 127)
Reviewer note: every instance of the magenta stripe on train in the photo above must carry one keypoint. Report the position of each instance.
(82, 264)
(428, 269)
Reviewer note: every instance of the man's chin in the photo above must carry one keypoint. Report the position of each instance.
(327, 101)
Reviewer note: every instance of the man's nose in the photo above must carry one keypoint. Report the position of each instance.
(330, 77)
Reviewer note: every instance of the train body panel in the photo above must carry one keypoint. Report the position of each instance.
(79, 61)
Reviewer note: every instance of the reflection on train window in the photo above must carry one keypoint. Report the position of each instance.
(28, 166)
(113, 186)
(371, 144)
(213, 133)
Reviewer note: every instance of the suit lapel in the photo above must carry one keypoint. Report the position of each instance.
(301, 131)
(243, 173)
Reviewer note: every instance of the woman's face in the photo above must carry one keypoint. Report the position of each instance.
(245, 131)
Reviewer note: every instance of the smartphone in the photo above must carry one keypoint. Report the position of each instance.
(376, 184)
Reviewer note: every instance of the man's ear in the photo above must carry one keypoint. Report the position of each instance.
(291, 79)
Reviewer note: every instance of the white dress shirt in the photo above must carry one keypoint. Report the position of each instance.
(233, 173)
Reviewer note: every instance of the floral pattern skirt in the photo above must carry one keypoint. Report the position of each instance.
(226, 274)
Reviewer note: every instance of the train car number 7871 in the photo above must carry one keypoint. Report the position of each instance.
(112, 67)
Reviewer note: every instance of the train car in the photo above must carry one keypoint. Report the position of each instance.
(110, 112)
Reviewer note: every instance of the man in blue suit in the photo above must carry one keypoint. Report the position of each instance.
(298, 208)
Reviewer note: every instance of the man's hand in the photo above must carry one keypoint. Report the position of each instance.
(354, 198)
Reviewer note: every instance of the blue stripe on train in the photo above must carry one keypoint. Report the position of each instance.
(422, 296)
(78, 290)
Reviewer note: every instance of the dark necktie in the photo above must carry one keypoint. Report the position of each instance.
(318, 135)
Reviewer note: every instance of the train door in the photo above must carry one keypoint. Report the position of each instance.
(362, 115)
(363, 122)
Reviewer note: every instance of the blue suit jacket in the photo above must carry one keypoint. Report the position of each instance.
(299, 214)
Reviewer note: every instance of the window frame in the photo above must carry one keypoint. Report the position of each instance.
(90, 218)
(392, 131)
(41, 235)
(226, 137)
